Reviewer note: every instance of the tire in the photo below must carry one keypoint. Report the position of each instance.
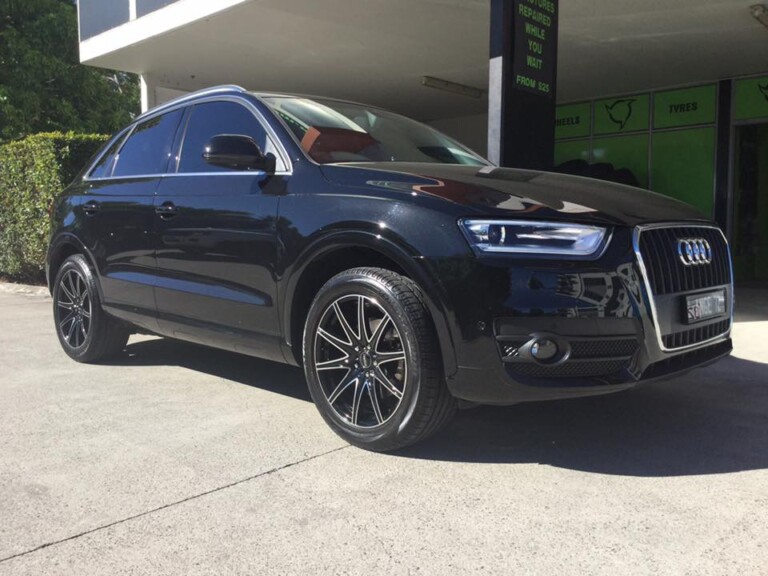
(382, 388)
(86, 333)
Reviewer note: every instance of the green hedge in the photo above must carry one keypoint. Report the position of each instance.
(33, 171)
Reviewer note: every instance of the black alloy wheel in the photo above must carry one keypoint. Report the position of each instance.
(360, 362)
(73, 304)
(372, 360)
(86, 333)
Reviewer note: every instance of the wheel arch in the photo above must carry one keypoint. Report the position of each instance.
(61, 248)
(341, 251)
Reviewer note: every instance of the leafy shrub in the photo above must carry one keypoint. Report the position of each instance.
(33, 171)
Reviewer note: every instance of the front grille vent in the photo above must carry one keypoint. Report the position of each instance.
(510, 349)
(666, 272)
(686, 360)
(695, 335)
(588, 358)
(603, 348)
(600, 368)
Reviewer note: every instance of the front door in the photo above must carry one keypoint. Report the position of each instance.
(216, 241)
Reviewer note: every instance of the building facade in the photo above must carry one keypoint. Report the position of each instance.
(668, 96)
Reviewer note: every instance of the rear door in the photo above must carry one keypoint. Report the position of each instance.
(216, 239)
(119, 216)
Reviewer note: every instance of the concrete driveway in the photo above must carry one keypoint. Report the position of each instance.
(176, 459)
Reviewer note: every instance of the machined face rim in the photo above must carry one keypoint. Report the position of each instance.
(360, 361)
(73, 304)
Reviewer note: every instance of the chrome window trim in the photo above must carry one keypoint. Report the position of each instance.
(188, 98)
(651, 297)
(219, 94)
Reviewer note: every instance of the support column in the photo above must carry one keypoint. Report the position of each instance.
(148, 92)
(522, 83)
(723, 210)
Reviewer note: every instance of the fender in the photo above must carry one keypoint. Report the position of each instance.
(408, 260)
(59, 243)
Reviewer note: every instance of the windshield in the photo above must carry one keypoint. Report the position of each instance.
(331, 131)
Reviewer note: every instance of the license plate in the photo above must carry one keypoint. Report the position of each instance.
(705, 306)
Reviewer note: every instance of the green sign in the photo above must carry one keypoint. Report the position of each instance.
(624, 152)
(683, 166)
(571, 150)
(751, 99)
(686, 107)
(573, 121)
(621, 115)
(535, 58)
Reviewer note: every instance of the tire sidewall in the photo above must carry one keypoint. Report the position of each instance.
(78, 264)
(338, 287)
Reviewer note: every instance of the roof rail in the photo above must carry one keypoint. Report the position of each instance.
(191, 96)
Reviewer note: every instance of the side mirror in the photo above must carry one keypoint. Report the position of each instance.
(237, 152)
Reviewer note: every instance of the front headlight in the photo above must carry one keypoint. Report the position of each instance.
(559, 239)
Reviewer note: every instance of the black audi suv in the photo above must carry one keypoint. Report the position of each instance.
(404, 272)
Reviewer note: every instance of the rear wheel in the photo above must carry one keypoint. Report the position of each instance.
(85, 331)
(372, 362)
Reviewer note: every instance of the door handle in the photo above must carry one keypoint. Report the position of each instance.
(166, 210)
(90, 208)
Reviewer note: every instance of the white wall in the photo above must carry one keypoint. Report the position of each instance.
(153, 95)
(163, 94)
(472, 131)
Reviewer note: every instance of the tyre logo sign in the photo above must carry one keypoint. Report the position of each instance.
(620, 112)
(694, 251)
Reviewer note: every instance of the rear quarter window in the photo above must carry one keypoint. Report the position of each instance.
(103, 168)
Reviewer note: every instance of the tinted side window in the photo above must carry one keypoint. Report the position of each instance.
(149, 146)
(103, 168)
(210, 119)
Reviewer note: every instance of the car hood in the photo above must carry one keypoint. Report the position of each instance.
(507, 192)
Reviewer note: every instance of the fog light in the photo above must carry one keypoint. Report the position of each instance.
(544, 349)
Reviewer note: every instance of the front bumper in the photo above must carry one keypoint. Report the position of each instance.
(605, 316)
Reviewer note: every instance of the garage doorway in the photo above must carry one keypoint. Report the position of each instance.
(750, 206)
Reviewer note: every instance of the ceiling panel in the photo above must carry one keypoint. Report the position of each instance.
(377, 50)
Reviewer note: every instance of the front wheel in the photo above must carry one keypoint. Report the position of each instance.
(85, 331)
(372, 360)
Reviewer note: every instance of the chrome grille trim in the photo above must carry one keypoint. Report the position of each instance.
(651, 295)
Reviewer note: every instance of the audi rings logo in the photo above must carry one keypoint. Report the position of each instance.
(694, 251)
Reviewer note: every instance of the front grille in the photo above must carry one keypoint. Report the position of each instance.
(666, 272)
(695, 335)
(668, 275)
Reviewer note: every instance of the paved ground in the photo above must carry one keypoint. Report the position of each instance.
(182, 460)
